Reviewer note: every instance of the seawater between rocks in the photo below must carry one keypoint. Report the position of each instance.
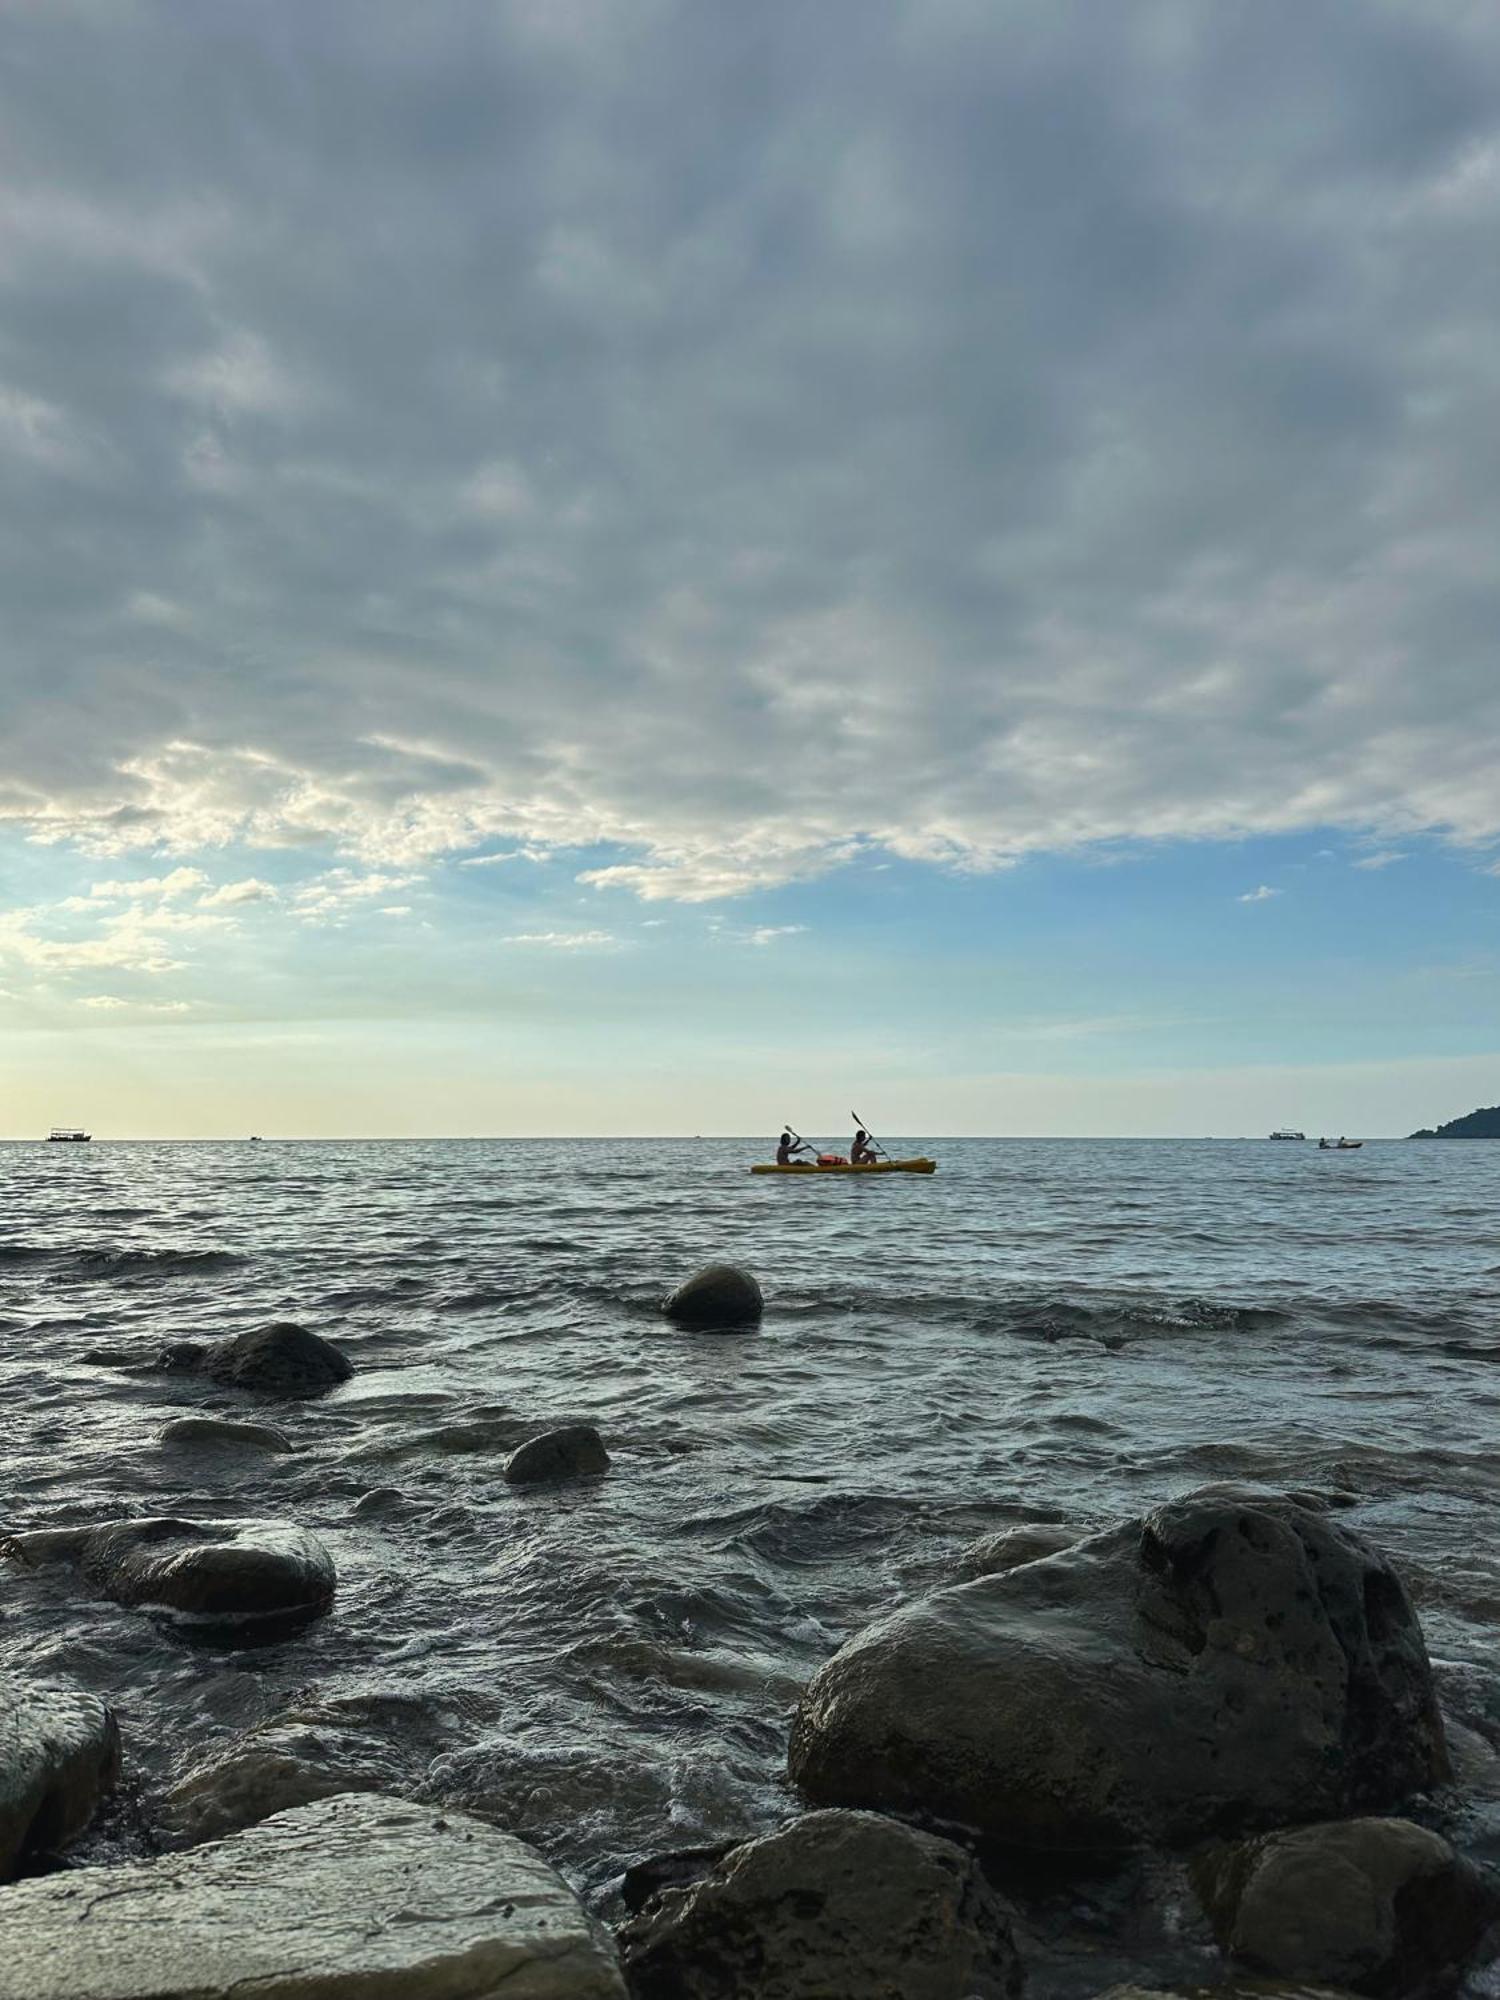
(1051, 1330)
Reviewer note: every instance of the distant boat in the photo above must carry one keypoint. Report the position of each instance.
(69, 1135)
(1286, 1132)
(1339, 1145)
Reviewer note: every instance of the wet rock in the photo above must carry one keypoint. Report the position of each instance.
(274, 1769)
(279, 1360)
(355, 1895)
(1237, 1989)
(59, 1755)
(644, 1881)
(722, 1295)
(835, 1903)
(237, 1581)
(576, 1451)
(1230, 1662)
(196, 1431)
(1379, 1905)
(1008, 1548)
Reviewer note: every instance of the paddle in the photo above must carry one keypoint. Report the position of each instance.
(861, 1126)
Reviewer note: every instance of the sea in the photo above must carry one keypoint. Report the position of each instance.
(1045, 1330)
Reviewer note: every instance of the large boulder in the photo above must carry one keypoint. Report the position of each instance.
(1008, 1548)
(1231, 1662)
(836, 1903)
(355, 1895)
(59, 1754)
(278, 1360)
(237, 1581)
(719, 1296)
(1379, 1905)
(576, 1451)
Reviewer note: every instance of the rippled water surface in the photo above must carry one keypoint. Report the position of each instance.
(1064, 1329)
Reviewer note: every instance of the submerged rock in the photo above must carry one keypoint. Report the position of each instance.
(1379, 1905)
(837, 1903)
(721, 1295)
(275, 1769)
(59, 1755)
(356, 1895)
(278, 1360)
(1009, 1548)
(197, 1431)
(1230, 1662)
(239, 1581)
(576, 1451)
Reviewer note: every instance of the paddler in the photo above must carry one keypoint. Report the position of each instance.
(787, 1148)
(862, 1153)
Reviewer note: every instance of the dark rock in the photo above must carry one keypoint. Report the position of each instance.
(220, 1431)
(1379, 1905)
(574, 1452)
(354, 1896)
(837, 1903)
(1230, 1662)
(644, 1881)
(1008, 1548)
(1236, 1989)
(59, 1754)
(235, 1581)
(279, 1360)
(721, 1296)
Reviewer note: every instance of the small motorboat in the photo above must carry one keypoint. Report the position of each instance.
(814, 1169)
(1339, 1145)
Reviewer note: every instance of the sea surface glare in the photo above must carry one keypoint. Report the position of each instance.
(1065, 1330)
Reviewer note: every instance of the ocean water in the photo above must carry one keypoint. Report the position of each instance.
(1066, 1330)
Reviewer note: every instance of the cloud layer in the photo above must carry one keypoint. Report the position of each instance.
(745, 436)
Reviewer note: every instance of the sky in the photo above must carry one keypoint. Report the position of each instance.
(582, 567)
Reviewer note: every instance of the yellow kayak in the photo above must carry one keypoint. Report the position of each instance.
(876, 1167)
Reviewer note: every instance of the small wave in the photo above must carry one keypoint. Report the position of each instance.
(153, 1263)
(24, 1253)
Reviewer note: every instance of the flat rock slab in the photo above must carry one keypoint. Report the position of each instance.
(355, 1896)
(59, 1752)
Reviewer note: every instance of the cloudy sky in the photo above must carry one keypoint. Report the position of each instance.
(584, 566)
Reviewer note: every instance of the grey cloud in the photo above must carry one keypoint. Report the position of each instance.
(748, 435)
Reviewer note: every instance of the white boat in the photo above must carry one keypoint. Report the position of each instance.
(69, 1135)
(1286, 1132)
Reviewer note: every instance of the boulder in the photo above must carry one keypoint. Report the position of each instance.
(279, 1360)
(836, 1903)
(194, 1432)
(722, 1296)
(1008, 1548)
(574, 1452)
(59, 1754)
(354, 1895)
(234, 1581)
(1237, 1989)
(1228, 1663)
(1379, 1905)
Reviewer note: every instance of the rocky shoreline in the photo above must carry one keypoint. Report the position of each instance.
(1213, 1729)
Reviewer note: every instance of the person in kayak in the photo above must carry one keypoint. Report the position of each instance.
(862, 1153)
(787, 1149)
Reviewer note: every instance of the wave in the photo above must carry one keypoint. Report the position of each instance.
(176, 1263)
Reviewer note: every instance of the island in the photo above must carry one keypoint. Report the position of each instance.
(1477, 1125)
